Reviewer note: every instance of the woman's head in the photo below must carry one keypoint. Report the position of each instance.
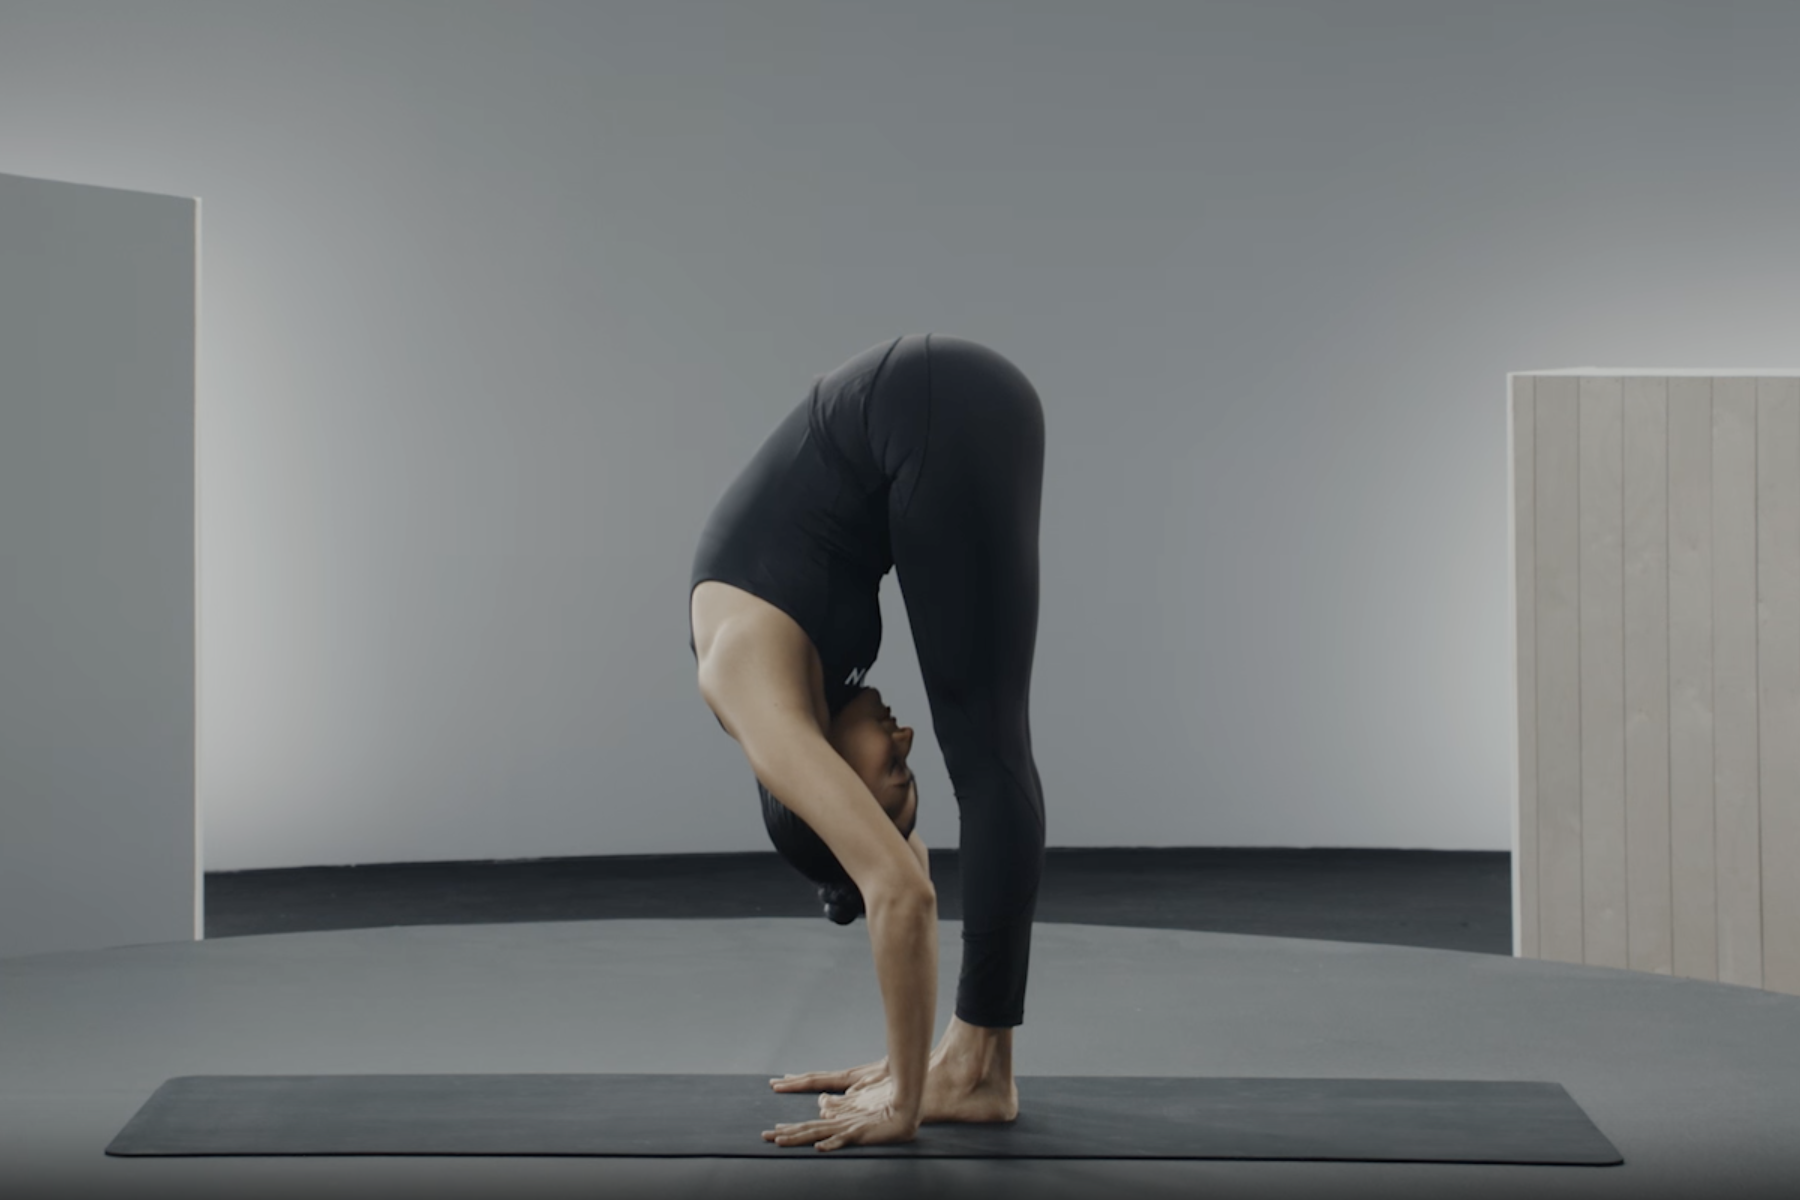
(876, 746)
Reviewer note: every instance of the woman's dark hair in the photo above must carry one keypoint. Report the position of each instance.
(808, 854)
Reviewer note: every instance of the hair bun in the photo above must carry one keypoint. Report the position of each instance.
(842, 904)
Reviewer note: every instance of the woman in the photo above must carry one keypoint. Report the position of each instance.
(924, 455)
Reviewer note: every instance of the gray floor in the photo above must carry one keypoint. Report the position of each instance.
(1698, 1085)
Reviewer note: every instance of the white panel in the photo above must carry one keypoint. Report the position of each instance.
(1660, 596)
(1735, 758)
(1646, 446)
(1693, 869)
(1778, 675)
(1602, 727)
(1523, 485)
(1558, 582)
(97, 545)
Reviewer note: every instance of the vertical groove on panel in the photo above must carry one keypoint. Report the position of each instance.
(1778, 678)
(1602, 671)
(1734, 681)
(1692, 866)
(1524, 508)
(1557, 547)
(1646, 558)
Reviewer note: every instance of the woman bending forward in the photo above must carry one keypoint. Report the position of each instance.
(924, 455)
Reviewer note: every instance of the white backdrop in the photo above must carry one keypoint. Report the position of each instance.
(500, 295)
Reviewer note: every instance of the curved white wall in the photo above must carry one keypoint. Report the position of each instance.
(498, 296)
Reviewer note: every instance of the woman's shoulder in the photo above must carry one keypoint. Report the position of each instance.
(751, 652)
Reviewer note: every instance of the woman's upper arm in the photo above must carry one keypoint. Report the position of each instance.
(793, 759)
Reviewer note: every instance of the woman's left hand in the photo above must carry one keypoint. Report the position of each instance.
(881, 1126)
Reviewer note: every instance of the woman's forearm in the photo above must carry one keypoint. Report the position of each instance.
(903, 936)
(920, 853)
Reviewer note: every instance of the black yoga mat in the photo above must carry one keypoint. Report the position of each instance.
(723, 1116)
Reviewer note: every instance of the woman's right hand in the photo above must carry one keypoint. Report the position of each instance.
(883, 1126)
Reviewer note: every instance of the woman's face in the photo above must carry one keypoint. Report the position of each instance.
(876, 747)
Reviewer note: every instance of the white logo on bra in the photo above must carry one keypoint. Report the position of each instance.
(857, 676)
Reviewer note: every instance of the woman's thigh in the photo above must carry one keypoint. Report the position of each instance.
(960, 431)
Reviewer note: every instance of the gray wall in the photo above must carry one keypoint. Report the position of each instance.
(97, 568)
(500, 295)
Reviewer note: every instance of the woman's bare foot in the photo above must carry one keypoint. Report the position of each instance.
(972, 1067)
(948, 1097)
(969, 1078)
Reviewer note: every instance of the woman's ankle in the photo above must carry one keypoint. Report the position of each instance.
(976, 1053)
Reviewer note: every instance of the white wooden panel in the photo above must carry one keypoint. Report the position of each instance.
(1778, 676)
(1524, 508)
(1602, 618)
(1646, 442)
(1693, 867)
(1558, 579)
(1735, 759)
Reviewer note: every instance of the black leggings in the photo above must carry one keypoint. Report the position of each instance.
(960, 432)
